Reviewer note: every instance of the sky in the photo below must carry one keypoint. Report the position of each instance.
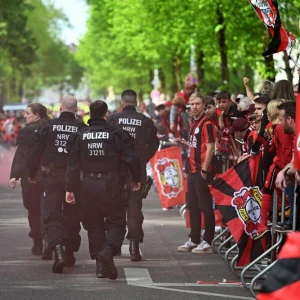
(77, 13)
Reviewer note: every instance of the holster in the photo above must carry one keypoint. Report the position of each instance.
(45, 170)
(147, 187)
(48, 170)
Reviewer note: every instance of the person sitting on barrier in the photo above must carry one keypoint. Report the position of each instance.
(230, 113)
(282, 145)
(266, 88)
(284, 178)
(265, 134)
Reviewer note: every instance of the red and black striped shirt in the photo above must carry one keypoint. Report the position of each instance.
(202, 131)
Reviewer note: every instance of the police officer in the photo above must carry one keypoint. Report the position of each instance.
(98, 152)
(35, 115)
(142, 129)
(62, 220)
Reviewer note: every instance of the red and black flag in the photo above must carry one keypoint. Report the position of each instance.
(283, 280)
(237, 194)
(282, 40)
(168, 174)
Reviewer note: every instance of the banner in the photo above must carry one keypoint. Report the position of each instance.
(283, 280)
(297, 132)
(282, 40)
(168, 174)
(237, 194)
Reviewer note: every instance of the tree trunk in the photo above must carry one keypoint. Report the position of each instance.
(2, 95)
(140, 92)
(200, 68)
(223, 48)
(162, 79)
(176, 74)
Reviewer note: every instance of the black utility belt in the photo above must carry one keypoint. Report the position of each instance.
(96, 175)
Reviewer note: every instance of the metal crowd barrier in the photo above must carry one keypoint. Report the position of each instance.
(275, 239)
(225, 246)
(254, 283)
(256, 271)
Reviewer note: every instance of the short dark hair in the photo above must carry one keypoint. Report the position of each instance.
(208, 100)
(160, 107)
(98, 108)
(223, 95)
(289, 108)
(262, 100)
(129, 97)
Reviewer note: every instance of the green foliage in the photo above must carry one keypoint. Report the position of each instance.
(127, 38)
(32, 55)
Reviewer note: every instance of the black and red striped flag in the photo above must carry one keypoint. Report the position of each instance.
(282, 39)
(237, 194)
(283, 280)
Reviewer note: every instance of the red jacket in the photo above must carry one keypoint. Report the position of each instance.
(282, 144)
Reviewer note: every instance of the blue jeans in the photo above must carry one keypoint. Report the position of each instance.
(289, 191)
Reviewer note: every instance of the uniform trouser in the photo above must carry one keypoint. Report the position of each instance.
(104, 215)
(135, 215)
(200, 200)
(31, 194)
(62, 220)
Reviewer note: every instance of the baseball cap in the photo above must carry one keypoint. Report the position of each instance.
(240, 124)
(250, 109)
(168, 103)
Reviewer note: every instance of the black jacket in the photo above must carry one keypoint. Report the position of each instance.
(50, 142)
(140, 127)
(116, 146)
(24, 142)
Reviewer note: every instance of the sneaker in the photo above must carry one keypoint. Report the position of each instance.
(187, 247)
(167, 208)
(203, 247)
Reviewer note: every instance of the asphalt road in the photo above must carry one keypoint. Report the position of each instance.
(164, 273)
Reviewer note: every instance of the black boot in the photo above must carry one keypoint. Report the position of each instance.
(99, 269)
(70, 258)
(106, 259)
(134, 250)
(59, 262)
(47, 252)
(37, 248)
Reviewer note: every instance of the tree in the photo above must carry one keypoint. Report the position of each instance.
(126, 39)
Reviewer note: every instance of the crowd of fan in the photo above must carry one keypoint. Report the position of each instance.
(245, 124)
